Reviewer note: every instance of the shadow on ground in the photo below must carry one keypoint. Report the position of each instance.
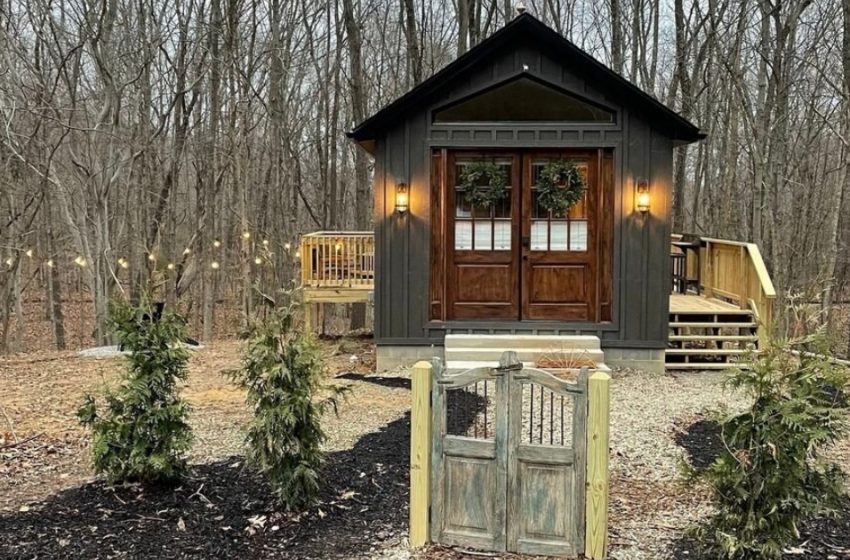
(701, 441)
(826, 538)
(390, 382)
(364, 504)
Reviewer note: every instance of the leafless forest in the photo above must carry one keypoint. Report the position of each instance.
(184, 145)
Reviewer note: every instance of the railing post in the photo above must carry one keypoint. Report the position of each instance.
(420, 454)
(596, 496)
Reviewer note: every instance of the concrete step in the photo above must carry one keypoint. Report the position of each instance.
(466, 364)
(520, 341)
(525, 355)
(464, 351)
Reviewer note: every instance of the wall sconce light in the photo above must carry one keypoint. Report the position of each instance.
(401, 198)
(642, 197)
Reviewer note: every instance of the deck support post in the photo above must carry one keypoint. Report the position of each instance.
(596, 496)
(420, 454)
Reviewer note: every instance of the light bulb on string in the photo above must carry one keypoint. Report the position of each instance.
(10, 261)
(187, 251)
(214, 265)
(124, 263)
(151, 257)
(29, 253)
(258, 260)
(216, 243)
(265, 242)
(49, 263)
(80, 261)
(246, 235)
(287, 245)
(170, 266)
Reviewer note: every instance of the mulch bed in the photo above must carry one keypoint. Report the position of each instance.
(820, 539)
(224, 510)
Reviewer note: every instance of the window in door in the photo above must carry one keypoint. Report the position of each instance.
(482, 229)
(550, 232)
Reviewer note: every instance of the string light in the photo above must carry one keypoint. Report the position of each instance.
(151, 257)
(49, 263)
(265, 242)
(170, 266)
(246, 235)
(29, 253)
(214, 265)
(339, 246)
(216, 243)
(124, 263)
(187, 251)
(258, 260)
(287, 245)
(10, 261)
(80, 261)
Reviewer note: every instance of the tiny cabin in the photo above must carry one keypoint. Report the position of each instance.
(525, 189)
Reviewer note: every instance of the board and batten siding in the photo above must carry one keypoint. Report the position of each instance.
(641, 262)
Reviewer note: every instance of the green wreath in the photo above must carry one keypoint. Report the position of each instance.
(484, 184)
(560, 187)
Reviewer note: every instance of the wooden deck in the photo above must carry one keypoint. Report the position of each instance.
(690, 303)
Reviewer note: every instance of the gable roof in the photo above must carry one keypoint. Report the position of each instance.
(526, 25)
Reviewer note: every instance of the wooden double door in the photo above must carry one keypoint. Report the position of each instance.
(515, 260)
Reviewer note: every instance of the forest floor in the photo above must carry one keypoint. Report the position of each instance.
(52, 505)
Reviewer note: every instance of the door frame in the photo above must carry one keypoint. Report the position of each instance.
(442, 218)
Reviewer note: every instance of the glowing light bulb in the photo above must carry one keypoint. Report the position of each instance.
(10, 261)
(246, 235)
(258, 260)
(339, 246)
(29, 253)
(80, 261)
(187, 251)
(151, 257)
(214, 265)
(265, 242)
(216, 243)
(287, 245)
(170, 266)
(124, 263)
(49, 263)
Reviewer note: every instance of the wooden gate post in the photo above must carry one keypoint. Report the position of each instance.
(420, 454)
(596, 497)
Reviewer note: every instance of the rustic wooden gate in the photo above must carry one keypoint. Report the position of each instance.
(508, 459)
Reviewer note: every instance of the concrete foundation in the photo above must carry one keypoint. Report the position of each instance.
(394, 357)
(646, 359)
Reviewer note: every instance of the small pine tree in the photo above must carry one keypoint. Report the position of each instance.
(772, 474)
(143, 433)
(282, 374)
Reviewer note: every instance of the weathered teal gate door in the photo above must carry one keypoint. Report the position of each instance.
(509, 459)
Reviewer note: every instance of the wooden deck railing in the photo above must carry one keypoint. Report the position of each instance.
(338, 259)
(734, 271)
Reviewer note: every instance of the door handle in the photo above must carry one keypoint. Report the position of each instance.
(526, 242)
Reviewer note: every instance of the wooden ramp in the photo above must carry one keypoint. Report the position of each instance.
(708, 333)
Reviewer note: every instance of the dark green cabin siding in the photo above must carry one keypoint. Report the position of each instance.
(641, 263)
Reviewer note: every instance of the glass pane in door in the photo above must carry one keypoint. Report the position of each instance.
(482, 228)
(550, 232)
